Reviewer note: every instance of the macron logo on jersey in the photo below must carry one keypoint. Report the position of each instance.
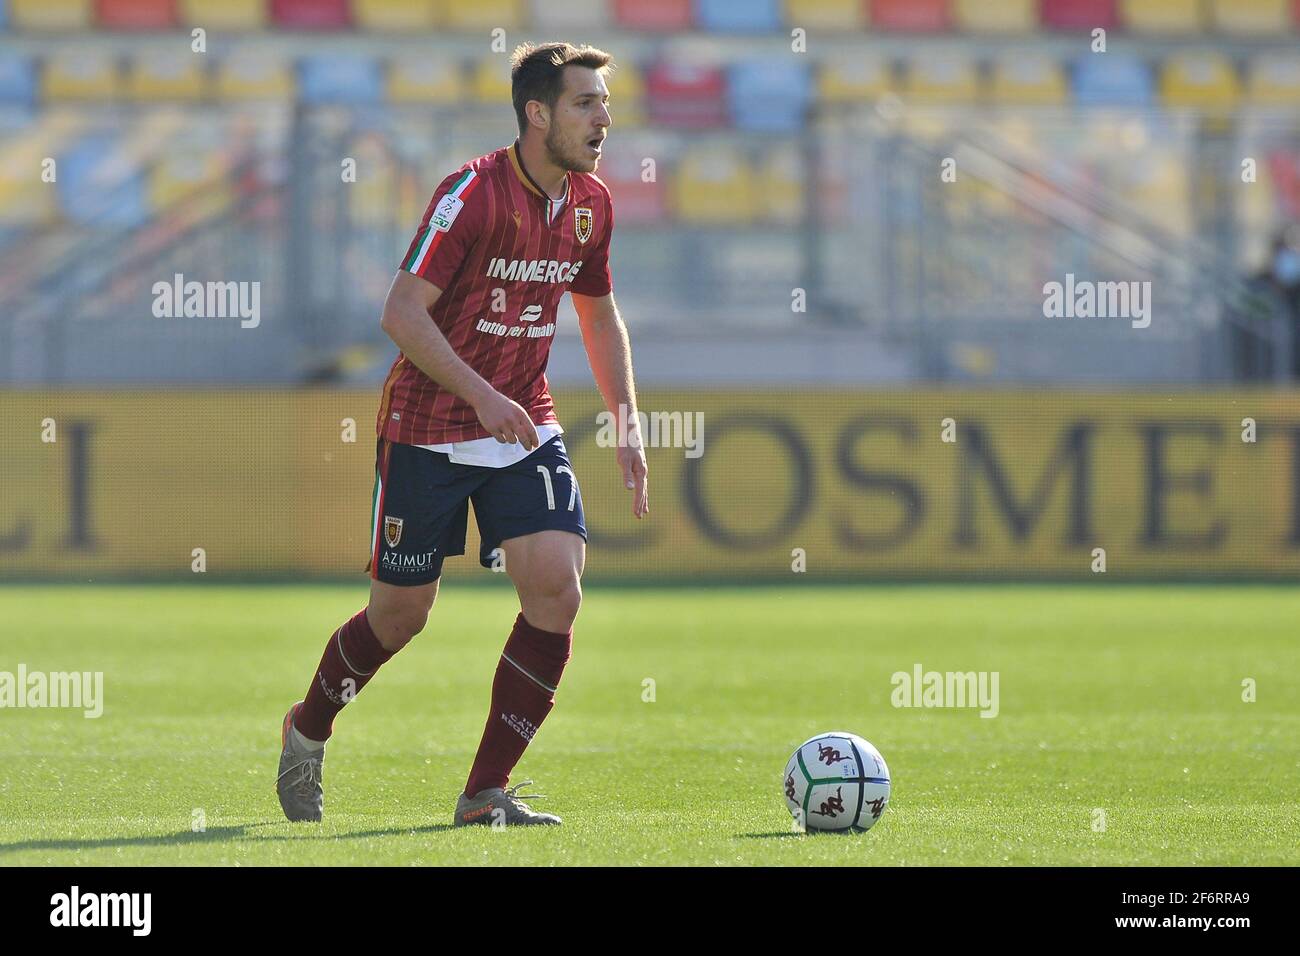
(532, 270)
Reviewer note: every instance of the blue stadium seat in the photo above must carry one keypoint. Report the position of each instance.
(739, 16)
(1112, 80)
(769, 96)
(341, 79)
(87, 196)
(17, 81)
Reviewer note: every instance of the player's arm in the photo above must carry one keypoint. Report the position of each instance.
(407, 321)
(610, 353)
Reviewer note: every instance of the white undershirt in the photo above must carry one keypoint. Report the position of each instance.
(490, 453)
(555, 205)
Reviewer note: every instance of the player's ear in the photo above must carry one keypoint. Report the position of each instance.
(538, 115)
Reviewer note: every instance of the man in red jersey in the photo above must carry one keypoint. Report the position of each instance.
(466, 415)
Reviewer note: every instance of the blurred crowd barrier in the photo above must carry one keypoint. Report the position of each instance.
(777, 169)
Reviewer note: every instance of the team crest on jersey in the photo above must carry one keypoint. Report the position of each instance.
(582, 223)
(392, 530)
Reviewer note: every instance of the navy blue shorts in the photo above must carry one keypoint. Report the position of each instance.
(421, 502)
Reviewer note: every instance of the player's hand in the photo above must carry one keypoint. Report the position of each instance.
(506, 421)
(631, 459)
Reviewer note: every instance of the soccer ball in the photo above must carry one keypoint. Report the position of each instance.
(836, 781)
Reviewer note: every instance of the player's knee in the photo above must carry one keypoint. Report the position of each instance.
(395, 626)
(563, 598)
(400, 628)
(571, 599)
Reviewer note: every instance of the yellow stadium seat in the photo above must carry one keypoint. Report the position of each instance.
(780, 186)
(50, 14)
(251, 76)
(1160, 190)
(1162, 16)
(1256, 215)
(1004, 16)
(1204, 81)
(942, 80)
(492, 79)
(481, 15)
(1028, 80)
(224, 14)
(370, 203)
(1257, 17)
(627, 95)
(628, 114)
(374, 197)
(174, 77)
(715, 185)
(81, 75)
(394, 15)
(425, 79)
(192, 174)
(853, 80)
(1274, 81)
(825, 14)
(627, 82)
(23, 203)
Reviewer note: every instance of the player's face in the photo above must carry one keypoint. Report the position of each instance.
(579, 121)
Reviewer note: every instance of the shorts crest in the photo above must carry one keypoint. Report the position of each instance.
(392, 530)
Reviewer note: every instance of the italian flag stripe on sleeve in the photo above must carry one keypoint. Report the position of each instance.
(432, 238)
(409, 264)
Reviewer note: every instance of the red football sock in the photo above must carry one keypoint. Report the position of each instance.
(352, 654)
(523, 693)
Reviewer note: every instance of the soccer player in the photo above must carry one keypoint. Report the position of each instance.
(466, 415)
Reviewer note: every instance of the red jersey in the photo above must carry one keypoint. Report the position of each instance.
(487, 229)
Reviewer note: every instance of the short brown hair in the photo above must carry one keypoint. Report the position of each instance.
(537, 72)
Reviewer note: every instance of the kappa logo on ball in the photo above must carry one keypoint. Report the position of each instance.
(832, 806)
(828, 754)
(582, 223)
(392, 530)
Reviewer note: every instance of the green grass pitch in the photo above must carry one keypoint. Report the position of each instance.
(1124, 699)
